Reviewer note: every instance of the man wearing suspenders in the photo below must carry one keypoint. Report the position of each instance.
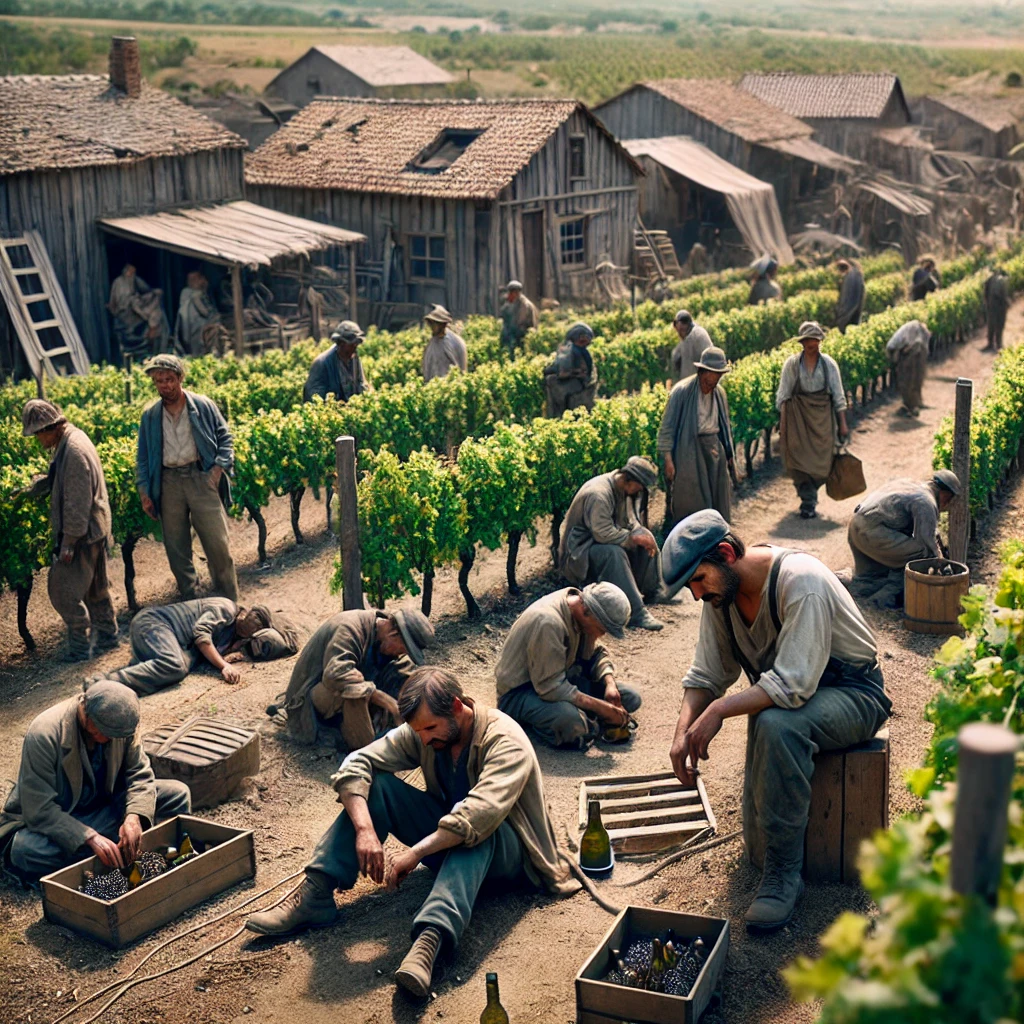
(786, 621)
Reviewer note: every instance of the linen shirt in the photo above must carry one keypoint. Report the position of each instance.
(707, 412)
(441, 354)
(179, 445)
(688, 350)
(907, 506)
(824, 377)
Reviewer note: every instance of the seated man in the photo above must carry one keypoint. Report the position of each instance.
(788, 623)
(169, 642)
(349, 672)
(603, 539)
(85, 785)
(482, 818)
(892, 526)
(554, 677)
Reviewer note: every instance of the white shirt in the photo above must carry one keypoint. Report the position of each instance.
(179, 444)
(824, 377)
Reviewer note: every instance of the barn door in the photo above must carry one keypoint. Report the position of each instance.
(532, 274)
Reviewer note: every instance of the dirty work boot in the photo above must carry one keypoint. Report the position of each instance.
(417, 969)
(310, 906)
(775, 901)
(643, 619)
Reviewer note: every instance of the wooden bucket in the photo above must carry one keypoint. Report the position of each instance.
(931, 604)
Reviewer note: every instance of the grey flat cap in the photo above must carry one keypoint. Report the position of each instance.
(165, 361)
(609, 605)
(348, 331)
(686, 546)
(948, 480)
(416, 631)
(579, 330)
(684, 316)
(514, 286)
(113, 708)
(811, 329)
(641, 470)
(439, 315)
(713, 359)
(39, 414)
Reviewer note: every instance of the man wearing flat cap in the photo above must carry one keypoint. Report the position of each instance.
(571, 379)
(811, 401)
(85, 786)
(604, 539)
(170, 642)
(183, 466)
(445, 349)
(555, 678)
(895, 525)
(338, 371)
(78, 585)
(518, 317)
(783, 619)
(348, 675)
(693, 340)
(695, 440)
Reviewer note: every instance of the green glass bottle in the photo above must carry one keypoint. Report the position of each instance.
(596, 845)
(494, 1012)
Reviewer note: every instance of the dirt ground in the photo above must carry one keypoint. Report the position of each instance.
(536, 944)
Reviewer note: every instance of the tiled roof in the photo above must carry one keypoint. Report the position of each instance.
(993, 114)
(51, 122)
(860, 94)
(360, 145)
(387, 65)
(721, 103)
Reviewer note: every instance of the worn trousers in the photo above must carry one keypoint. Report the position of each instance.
(636, 573)
(34, 855)
(158, 660)
(410, 814)
(807, 488)
(189, 500)
(781, 744)
(80, 594)
(996, 326)
(353, 715)
(880, 553)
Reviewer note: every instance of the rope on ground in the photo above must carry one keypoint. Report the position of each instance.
(686, 851)
(588, 885)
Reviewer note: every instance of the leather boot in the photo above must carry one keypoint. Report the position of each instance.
(417, 969)
(310, 906)
(643, 619)
(776, 899)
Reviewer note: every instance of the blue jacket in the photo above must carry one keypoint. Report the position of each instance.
(325, 378)
(210, 433)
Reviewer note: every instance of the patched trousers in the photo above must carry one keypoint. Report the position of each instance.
(158, 660)
(636, 573)
(80, 594)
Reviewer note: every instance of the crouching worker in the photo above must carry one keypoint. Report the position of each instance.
(85, 786)
(553, 675)
(170, 642)
(483, 818)
(786, 621)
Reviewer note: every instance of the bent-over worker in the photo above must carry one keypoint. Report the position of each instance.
(604, 539)
(925, 279)
(851, 294)
(763, 287)
(445, 349)
(349, 672)
(997, 302)
(693, 340)
(908, 353)
(518, 317)
(338, 371)
(85, 786)
(553, 675)
(784, 619)
(571, 379)
(483, 817)
(895, 525)
(77, 584)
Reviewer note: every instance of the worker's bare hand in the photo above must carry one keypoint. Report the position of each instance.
(399, 868)
(131, 838)
(612, 714)
(107, 851)
(701, 733)
(612, 695)
(670, 468)
(679, 756)
(386, 701)
(230, 674)
(149, 508)
(645, 539)
(370, 855)
(234, 657)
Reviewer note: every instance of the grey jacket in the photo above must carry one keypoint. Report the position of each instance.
(325, 378)
(599, 514)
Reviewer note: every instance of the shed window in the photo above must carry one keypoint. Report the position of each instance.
(573, 238)
(449, 145)
(426, 257)
(313, 85)
(577, 156)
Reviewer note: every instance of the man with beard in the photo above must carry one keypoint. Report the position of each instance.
(787, 622)
(482, 817)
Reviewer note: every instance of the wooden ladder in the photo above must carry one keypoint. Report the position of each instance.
(40, 315)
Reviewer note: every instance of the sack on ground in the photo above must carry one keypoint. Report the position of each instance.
(846, 477)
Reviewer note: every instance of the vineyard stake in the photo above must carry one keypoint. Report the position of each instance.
(984, 782)
(960, 510)
(351, 556)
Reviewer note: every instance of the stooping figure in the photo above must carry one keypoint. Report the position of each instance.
(908, 352)
(571, 379)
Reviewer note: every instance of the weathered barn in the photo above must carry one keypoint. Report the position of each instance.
(843, 109)
(381, 72)
(457, 197)
(979, 125)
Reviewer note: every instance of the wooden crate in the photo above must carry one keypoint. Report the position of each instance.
(210, 755)
(647, 813)
(600, 1002)
(119, 922)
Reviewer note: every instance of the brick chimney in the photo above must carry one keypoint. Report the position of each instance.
(125, 68)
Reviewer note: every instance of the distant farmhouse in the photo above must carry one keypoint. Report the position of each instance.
(373, 72)
(971, 124)
(457, 197)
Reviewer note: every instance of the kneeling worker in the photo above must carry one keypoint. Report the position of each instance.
(482, 818)
(554, 677)
(784, 619)
(603, 539)
(85, 785)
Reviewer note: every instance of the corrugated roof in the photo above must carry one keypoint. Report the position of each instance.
(721, 103)
(359, 145)
(859, 94)
(387, 65)
(53, 122)
(994, 114)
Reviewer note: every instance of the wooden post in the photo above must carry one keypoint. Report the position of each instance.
(960, 510)
(40, 385)
(353, 298)
(236, 301)
(351, 557)
(984, 781)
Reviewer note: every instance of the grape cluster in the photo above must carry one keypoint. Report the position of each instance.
(150, 865)
(106, 887)
(642, 966)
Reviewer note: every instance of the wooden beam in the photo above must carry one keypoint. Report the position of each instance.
(236, 300)
(960, 509)
(568, 195)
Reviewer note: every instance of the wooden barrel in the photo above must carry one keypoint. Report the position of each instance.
(931, 604)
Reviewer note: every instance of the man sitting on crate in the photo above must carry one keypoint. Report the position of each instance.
(483, 817)
(786, 621)
(85, 786)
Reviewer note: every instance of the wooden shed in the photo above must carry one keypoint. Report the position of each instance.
(457, 197)
(381, 72)
(983, 126)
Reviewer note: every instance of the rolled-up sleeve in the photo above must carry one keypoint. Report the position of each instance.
(396, 751)
(801, 652)
(714, 666)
